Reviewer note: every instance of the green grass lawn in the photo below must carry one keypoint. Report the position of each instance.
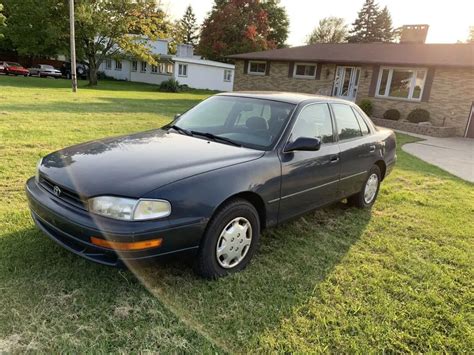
(398, 278)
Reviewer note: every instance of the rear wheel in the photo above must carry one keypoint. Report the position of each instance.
(230, 240)
(367, 196)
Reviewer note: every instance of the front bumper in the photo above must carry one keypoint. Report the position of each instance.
(72, 228)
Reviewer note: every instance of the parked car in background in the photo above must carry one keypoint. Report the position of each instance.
(45, 70)
(81, 70)
(14, 69)
(211, 180)
(2, 66)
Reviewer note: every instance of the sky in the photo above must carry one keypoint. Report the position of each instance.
(449, 20)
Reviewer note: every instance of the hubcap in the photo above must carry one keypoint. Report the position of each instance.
(234, 242)
(371, 188)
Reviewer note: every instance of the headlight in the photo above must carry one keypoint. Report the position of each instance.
(37, 170)
(129, 209)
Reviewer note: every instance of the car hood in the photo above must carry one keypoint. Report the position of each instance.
(133, 165)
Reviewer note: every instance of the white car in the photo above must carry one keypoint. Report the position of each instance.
(44, 70)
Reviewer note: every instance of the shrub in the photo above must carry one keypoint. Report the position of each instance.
(366, 106)
(392, 114)
(170, 85)
(418, 115)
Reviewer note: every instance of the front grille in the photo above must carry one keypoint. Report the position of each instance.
(66, 194)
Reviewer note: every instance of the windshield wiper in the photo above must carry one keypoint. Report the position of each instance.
(182, 130)
(216, 138)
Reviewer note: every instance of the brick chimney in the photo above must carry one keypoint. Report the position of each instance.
(414, 33)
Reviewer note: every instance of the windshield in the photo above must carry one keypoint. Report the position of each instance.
(252, 123)
(49, 67)
(12, 64)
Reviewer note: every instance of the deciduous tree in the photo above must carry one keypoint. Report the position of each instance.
(2, 20)
(329, 30)
(109, 28)
(238, 26)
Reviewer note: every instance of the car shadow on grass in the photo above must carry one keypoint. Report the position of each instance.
(293, 259)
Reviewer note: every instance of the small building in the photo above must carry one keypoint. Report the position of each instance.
(185, 67)
(403, 76)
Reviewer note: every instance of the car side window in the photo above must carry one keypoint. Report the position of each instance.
(314, 121)
(363, 125)
(347, 125)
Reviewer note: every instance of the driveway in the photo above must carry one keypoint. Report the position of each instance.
(455, 155)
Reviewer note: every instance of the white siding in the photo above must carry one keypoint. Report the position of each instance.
(123, 74)
(204, 77)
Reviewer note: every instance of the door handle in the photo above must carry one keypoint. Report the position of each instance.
(334, 159)
(372, 148)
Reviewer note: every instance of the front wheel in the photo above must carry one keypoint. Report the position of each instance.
(367, 196)
(230, 240)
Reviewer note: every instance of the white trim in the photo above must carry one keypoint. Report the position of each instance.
(257, 62)
(296, 76)
(389, 83)
(226, 71)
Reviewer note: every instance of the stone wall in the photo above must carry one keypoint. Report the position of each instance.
(433, 131)
(449, 104)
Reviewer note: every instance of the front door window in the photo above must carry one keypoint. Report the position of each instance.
(346, 82)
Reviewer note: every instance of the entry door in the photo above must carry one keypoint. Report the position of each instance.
(470, 124)
(346, 82)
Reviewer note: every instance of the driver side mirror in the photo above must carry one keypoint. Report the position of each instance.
(303, 144)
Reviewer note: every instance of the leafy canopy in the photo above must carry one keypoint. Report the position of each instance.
(2, 20)
(238, 26)
(329, 30)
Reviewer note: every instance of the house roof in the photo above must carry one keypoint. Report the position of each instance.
(458, 55)
(211, 63)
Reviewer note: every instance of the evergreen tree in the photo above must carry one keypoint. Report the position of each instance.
(384, 26)
(187, 28)
(372, 25)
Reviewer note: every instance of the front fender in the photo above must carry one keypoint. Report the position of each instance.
(198, 197)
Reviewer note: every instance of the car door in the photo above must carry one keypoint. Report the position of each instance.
(357, 149)
(310, 178)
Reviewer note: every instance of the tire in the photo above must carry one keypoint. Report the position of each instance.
(234, 216)
(363, 200)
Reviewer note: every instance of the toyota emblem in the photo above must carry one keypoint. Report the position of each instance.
(57, 191)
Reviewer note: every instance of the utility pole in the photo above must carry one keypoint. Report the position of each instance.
(73, 46)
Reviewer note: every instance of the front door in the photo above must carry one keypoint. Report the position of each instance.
(310, 178)
(470, 124)
(346, 82)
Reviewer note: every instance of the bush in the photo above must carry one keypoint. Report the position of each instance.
(418, 115)
(366, 106)
(392, 114)
(170, 85)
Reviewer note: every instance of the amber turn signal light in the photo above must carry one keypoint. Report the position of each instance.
(144, 244)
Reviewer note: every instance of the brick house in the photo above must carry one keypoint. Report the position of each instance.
(405, 76)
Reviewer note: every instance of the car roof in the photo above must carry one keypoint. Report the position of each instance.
(288, 97)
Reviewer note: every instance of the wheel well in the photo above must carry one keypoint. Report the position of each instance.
(382, 167)
(256, 201)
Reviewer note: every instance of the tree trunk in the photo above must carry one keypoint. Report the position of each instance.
(93, 68)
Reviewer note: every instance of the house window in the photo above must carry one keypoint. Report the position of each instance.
(169, 68)
(134, 65)
(257, 68)
(401, 83)
(162, 68)
(227, 75)
(306, 71)
(154, 69)
(118, 64)
(143, 67)
(182, 70)
(108, 64)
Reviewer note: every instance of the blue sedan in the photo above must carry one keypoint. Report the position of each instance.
(211, 180)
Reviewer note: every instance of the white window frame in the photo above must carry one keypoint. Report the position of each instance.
(227, 75)
(182, 70)
(169, 68)
(118, 64)
(296, 76)
(389, 83)
(108, 64)
(257, 62)
(134, 65)
(141, 67)
(154, 69)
